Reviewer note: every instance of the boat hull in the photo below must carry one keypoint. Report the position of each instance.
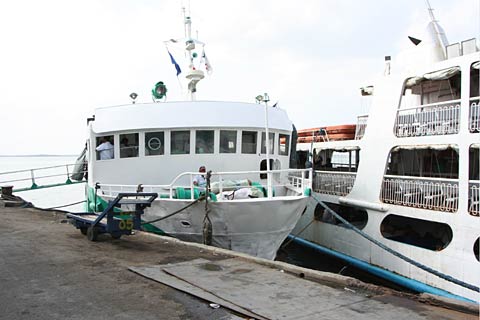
(253, 226)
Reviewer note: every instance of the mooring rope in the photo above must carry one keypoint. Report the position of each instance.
(65, 205)
(396, 253)
(176, 212)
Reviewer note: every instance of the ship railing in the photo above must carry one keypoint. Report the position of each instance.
(429, 119)
(474, 198)
(474, 116)
(295, 180)
(333, 183)
(419, 192)
(361, 127)
(44, 177)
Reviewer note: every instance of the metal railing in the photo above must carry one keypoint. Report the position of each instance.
(361, 127)
(44, 177)
(293, 179)
(474, 198)
(474, 116)
(427, 120)
(424, 193)
(334, 183)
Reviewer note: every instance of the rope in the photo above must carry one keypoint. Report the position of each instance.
(395, 253)
(65, 205)
(295, 236)
(174, 213)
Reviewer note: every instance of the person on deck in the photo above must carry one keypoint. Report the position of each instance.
(105, 149)
(199, 179)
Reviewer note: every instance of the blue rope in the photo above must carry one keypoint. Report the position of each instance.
(395, 253)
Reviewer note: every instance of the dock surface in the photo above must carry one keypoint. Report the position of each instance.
(49, 270)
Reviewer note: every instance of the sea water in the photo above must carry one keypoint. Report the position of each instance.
(18, 168)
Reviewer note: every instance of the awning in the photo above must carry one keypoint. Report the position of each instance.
(476, 65)
(475, 146)
(338, 148)
(436, 75)
(426, 146)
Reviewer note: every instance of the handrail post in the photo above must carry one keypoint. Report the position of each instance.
(191, 187)
(303, 181)
(34, 185)
(220, 184)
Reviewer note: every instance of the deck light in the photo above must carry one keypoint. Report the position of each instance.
(133, 96)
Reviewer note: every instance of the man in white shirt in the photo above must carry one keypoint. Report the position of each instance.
(105, 149)
(199, 179)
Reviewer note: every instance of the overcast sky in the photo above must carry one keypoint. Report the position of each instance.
(61, 59)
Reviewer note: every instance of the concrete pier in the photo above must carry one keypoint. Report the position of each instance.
(49, 270)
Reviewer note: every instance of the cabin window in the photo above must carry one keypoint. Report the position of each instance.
(346, 159)
(129, 145)
(417, 232)
(204, 141)
(263, 167)
(355, 216)
(475, 80)
(476, 249)
(435, 161)
(283, 144)
(104, 148)
(228, 141)
(180, 142)
(249, 142)
(271, 138)
(474, 108)
(154, 143)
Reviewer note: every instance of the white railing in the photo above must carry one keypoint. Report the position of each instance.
(425, 193)
(43, 177)
(474, 117)
(427, 120)
(292, 179)
(474, 198)
(361, 127)
(334, 183)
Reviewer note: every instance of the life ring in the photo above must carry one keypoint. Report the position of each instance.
(154, 141)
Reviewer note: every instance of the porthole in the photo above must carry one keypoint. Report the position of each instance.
(425, 234)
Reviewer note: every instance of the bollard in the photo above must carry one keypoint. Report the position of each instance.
(7, 191)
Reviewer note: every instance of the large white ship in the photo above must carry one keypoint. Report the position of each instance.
(407, 176)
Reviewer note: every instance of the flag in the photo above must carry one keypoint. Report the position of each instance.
(208, 66)
(177, 67)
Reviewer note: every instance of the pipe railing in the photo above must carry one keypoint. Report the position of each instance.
(334, 183)
(474, 115)
(474, 198)
(420, 192)
(39, 177)
(429, 119)
(293, 179)
(361, 127)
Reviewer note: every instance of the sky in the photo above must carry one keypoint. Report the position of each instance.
(61, 59)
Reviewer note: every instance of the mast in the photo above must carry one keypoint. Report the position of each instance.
(439, 33)
(193, 75)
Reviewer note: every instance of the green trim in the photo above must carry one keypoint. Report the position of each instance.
(35, 186)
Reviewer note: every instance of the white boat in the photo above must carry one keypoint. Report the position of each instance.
(254, 199)
(408, 177)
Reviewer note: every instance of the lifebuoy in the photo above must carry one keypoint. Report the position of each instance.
(154, 143)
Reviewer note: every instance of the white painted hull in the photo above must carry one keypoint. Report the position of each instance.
(453, 260)
(255, 227)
